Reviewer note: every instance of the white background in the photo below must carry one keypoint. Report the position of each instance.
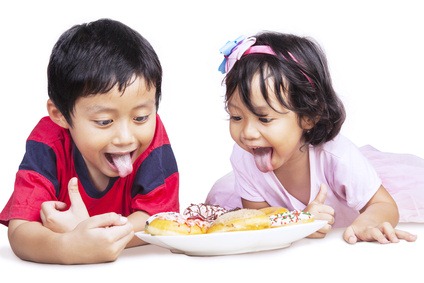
(374, 49)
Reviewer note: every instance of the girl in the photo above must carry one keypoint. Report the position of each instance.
(285, 118)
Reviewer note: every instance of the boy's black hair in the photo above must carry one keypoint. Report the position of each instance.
(94, 57)
(300, 71)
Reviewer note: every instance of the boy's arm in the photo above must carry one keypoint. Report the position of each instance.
(57, 218)
(97, 239)
(138, 220)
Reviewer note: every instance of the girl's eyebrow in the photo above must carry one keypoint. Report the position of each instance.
(259, 109)
(229, 104)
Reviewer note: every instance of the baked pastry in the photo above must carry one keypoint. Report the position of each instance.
(240, 220)
(196, 219)
(290, 217)
(174, 224)
(202, 211)
(204, 218)
(271, 210)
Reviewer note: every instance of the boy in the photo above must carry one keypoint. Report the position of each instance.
(101, 162)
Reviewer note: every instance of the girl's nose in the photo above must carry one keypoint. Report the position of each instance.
(249, 131)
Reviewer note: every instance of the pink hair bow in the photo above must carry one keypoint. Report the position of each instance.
(233, 50)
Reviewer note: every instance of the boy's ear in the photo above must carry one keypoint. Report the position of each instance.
(56, 115)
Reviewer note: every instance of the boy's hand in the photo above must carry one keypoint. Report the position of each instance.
(321, 211)
(56, 218)
(105, 236)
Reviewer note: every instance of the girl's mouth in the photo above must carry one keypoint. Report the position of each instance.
(263, 157)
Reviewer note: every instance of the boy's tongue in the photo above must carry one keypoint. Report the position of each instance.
(263, 158)
(123, 164)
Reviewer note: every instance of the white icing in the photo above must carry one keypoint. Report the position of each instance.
(173, 216)
(289, 217)
(206, 212)
(177, 217)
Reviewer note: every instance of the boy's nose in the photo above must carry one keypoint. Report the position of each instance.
(123, 135)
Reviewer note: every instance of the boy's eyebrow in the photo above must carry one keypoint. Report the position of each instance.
(100, 108)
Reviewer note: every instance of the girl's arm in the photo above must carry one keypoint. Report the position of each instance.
(253, 204)
(317, 208)
(377, 221)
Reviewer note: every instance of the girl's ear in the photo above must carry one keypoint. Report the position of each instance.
(56, 115)
(308, 123)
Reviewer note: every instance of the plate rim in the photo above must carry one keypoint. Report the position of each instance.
(164, 240)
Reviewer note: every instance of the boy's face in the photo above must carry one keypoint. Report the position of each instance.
(111, 130)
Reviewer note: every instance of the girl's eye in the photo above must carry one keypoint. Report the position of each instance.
(235, 118)
(141, 119)
(265, 120)
(104, 122)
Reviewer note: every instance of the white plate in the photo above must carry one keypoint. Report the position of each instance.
(234, 242)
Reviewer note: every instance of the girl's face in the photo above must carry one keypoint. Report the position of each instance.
(274, 139)
(111, 130)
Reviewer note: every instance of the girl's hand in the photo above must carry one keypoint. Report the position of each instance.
(383, 233)
(56, 218)
(321, 212)
(377, 221)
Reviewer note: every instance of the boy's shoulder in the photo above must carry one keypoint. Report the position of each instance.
(161, 136)
(48, 132)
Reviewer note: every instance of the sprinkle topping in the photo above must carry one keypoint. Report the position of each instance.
(205, 212)
(289, 217)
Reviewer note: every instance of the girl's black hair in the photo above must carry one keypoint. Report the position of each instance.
(93, 58)
(302, 82)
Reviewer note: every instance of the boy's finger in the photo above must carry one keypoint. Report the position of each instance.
(75, 196)
(107, 220)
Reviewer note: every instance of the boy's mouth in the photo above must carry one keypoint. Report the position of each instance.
(122, 163)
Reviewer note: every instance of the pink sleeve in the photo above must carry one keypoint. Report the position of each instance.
(349, 174)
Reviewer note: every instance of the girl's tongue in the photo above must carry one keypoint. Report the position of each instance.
(263, 158)
(123, 164)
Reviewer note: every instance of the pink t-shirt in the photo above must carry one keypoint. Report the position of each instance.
(339, 164)
(352, 175)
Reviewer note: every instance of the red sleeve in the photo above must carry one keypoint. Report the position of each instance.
(31, 190)
(163, 198)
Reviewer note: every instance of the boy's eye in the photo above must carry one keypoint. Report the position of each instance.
(141, 119)
(104, 122)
